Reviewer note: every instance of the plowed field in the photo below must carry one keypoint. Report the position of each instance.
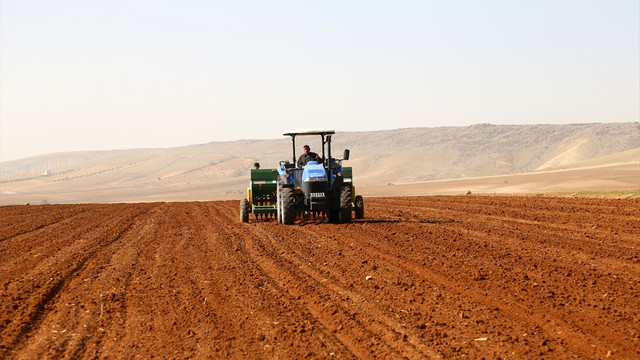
(421, 277)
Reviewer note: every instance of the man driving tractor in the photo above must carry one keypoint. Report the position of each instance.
(307, 156)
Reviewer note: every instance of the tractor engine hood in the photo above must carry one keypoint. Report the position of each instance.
(314, 172)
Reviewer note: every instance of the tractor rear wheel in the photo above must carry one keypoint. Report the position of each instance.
(244, 210)
(288, 206)
(345, 204)
(359, 207)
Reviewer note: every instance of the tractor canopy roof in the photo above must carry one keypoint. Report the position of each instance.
(296, 132)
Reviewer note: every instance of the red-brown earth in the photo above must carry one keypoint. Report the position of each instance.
(420, 277)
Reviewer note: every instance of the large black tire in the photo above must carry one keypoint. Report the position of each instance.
(345, 204)
(288, 206)
(244, 210)
(359, 207)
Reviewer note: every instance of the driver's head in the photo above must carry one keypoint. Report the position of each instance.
(306, 149)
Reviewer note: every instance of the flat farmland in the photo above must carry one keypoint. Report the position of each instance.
(473, 276)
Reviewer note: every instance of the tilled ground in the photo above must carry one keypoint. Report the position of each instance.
(422, 277)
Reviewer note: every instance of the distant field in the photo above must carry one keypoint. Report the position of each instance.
(624, 179)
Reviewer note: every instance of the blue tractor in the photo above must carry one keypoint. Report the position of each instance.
(320, 188)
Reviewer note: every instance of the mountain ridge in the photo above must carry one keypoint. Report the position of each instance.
(381, 157)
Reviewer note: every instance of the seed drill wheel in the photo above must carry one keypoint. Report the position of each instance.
(359, 207)
(244, 210)
(279, 202)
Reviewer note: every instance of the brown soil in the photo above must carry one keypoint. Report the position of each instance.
(419, 277)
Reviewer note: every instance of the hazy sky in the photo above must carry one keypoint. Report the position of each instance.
(92, 75)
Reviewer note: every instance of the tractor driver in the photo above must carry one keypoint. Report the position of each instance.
(307, 156)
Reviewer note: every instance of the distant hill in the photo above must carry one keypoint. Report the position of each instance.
(378, 158)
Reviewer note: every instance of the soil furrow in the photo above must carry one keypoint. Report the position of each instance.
(256, 253)
(419, 277)
(368, 322)
(34, 313)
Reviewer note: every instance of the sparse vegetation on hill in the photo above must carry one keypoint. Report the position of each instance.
(378, 158)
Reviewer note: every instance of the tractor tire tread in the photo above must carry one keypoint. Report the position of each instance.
(288, 206)
(345, 204)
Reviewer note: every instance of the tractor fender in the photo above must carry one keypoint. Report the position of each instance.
(284, 181)
(341, 181)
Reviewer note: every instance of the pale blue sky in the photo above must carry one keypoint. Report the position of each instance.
(89, 75)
